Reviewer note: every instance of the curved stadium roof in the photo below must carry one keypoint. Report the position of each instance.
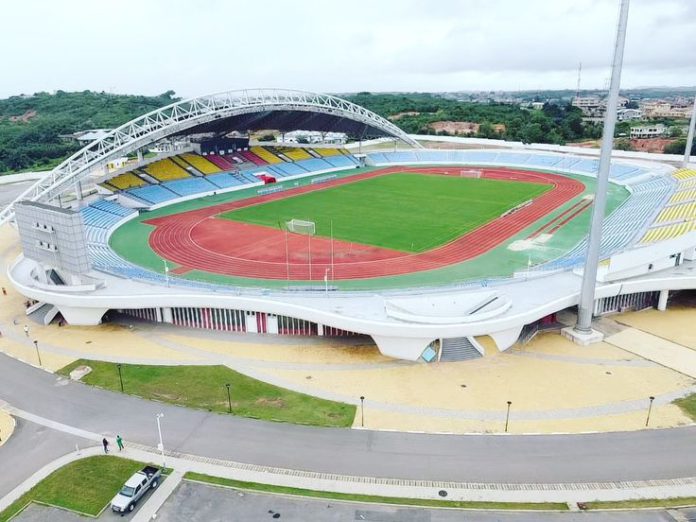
(221, 113)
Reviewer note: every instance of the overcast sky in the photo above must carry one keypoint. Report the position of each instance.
(205, 46)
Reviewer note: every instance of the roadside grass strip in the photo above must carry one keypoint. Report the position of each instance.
(646, 503)
(687, 405)
(204, 388)
(373, 499)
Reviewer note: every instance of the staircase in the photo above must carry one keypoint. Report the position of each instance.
(44, 314)
(458, 349)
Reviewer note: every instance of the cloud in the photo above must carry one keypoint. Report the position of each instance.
(409, 45)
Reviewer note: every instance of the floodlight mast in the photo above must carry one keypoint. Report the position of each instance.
(589, 277)
(690, 136)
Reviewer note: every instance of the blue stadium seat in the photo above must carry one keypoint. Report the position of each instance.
(190, 186)
(224, 180)
(153, 194)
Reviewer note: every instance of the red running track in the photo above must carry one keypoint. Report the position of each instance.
(196, 240)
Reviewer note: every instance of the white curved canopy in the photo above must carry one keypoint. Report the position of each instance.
(183, 115)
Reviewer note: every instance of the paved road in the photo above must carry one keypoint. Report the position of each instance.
(31, 447)
(9, 192)
(199, 503)
(659, 454)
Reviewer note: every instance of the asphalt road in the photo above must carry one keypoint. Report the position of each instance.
(193, 502)
(31, 447)
(658, 454)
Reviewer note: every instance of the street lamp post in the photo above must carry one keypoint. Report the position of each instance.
(120, 377)
(647, 420)
(229, 399)
(160, 446)
(38, 354)
(362, 411)
(507, 416)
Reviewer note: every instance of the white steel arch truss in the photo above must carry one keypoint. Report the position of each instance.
(183, 115)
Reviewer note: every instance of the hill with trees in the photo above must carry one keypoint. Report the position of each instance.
(415, 114)
(31, 126)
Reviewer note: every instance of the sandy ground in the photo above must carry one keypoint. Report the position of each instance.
(676, 325)
(328, 352)
(7, 426)
(664, 352)
(660, 417)
(532, 383)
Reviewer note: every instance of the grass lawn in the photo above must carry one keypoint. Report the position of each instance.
(203, 387)
(687, 405)
(255, 486)
(85, 486)
(643, 503)
(407, 212)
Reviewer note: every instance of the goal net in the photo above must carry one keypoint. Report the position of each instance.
(300, 226)
(470, 173)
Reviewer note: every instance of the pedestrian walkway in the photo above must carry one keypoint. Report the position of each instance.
(657, 349)
(149, 510)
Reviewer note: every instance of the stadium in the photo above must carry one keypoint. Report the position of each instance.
(431, 252)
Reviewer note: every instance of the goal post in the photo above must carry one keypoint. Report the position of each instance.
(301, 226)
(470, 173)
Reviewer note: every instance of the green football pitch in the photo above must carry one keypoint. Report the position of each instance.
(403, 211)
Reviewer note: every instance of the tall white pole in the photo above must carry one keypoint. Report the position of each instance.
(309, 252)
(333, 274)
(166, 271)
(690, 136)
(287, 255)
(589, 277)
(161, 444)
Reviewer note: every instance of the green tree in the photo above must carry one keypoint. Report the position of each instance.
(678, 147)
(676, 132)
(623, 144)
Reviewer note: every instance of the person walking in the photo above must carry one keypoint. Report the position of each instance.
(119, 442)
(105, 443)
(26, 330)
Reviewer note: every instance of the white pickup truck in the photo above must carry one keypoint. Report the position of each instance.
(134, 489)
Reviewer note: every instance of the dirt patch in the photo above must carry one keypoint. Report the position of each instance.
(465, 128)
(651, 144)
(274, 403)
(23, 118)
(399, 115)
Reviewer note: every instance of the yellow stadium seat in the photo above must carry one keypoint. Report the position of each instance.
(683, 174)
(683, 196)
(126, 180)
(296, 154)
(327, 152)
(166, 170)
(201, 164)
(266, 155)
(668, 232)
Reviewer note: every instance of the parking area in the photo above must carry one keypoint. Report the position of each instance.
(195, 502)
